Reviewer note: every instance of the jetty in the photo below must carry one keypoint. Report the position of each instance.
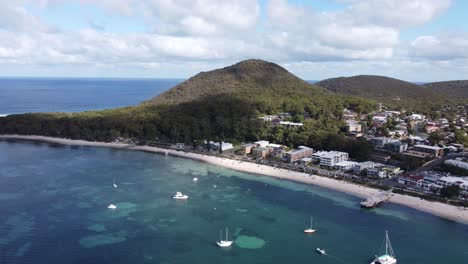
(375, 200)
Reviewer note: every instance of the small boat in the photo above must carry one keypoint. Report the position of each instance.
(180, 196)
(321, 251)
(112, 206)
(224, 243)
(389, 256)
(115, 185)
(310, 230)
(195, 179)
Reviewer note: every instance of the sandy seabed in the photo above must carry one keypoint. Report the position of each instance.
(447, 211)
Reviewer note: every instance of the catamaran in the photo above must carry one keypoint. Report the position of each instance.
(115, 185)
(224, 243)
(310, 230)
(389, 256)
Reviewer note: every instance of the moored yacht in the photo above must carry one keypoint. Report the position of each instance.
(224, 243)
(112, 206)
(310, 230)
(180, 196)
(389, 256)
(321, 251)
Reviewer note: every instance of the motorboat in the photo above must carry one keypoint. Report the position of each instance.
(112, 206)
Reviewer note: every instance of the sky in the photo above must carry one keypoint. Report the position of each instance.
(414, 40)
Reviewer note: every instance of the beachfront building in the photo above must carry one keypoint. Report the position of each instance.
(224, 145)
(435, 151)
(376, 173)
(447, 181)
(299, 153)
(329, 159)
(261, 152)
(345, 165)
(363, 166)
(247, 148)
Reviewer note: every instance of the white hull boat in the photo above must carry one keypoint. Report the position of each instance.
(224, 243)
(180, 196)
(389, 256)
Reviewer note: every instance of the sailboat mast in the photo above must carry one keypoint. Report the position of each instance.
(311, 220)
(227, 234)
(220, 235)
(388, 245)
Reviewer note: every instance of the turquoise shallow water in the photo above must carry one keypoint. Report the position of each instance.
(53, 209)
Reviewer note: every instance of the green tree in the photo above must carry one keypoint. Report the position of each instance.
(450, 191)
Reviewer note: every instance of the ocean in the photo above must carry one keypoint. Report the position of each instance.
(25, 95)
(53, 209)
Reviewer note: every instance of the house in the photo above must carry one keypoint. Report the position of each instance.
(247, 148)
(345, 165)
(305, 161)
(380, 142)
(397, 146)
(299, 153)
(353, 126)
(433, 150)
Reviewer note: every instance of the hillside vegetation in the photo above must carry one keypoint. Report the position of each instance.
(394, 92)
(451, 89)
(218, 105)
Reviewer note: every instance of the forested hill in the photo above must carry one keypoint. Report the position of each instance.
(246, 79)
(384, 89)
(222, 104)
(451, 89)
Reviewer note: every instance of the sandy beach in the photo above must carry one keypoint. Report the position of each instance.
(439, 209)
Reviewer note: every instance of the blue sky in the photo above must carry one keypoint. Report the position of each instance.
(416, 40)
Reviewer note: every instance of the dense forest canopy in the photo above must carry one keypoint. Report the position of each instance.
(219, 105)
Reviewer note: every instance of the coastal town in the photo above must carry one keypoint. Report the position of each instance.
(411, 153)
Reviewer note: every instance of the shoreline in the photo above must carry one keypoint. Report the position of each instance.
(446, 211)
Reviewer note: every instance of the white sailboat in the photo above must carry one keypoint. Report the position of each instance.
(310, 230)
(224, 243)
(389, 256)
(115, 185)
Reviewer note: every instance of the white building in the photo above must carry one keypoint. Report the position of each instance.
(330, 158)
(288, 123)
(224, 145)
(457, 163)
(363, 166)
(450, 180)
(262, 143)
(345, 165)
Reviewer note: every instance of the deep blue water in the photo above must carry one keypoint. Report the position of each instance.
(24, 95)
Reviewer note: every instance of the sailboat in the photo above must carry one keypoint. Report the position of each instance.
(389, 256)
(115, 185)
(310, 230)
(224, 243)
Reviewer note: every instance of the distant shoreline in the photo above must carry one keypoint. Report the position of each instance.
(435, 208)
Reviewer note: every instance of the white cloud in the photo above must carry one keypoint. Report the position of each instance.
(364, 36)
